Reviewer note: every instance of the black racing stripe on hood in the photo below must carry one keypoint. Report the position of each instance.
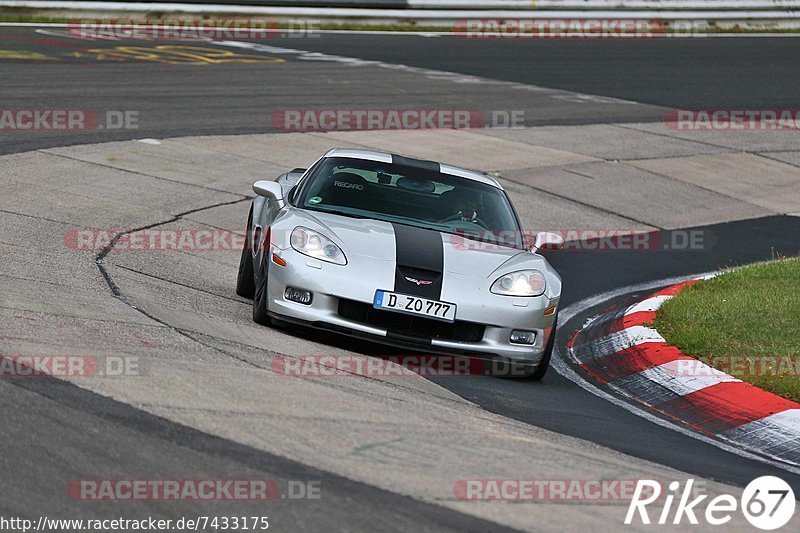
(418, 164)
(420, 262)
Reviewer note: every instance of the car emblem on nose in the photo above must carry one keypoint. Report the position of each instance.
(418, 281)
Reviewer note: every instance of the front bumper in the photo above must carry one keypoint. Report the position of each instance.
(497, 315)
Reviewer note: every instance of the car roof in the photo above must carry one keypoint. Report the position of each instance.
(386, 157)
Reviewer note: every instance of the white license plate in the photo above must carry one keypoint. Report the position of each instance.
(414, 305)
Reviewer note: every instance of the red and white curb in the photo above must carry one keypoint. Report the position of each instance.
(618, 350)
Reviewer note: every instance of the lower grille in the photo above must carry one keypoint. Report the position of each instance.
(413, 326)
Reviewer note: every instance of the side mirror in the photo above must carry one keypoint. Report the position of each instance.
(269, 189)
(546, 240)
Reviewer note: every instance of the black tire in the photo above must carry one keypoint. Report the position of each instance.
(245, 284)
(544, 364)
(260, 296)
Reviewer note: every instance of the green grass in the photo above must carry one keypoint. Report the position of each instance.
(745, 322)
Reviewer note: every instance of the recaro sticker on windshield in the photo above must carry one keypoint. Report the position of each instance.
(348, 185)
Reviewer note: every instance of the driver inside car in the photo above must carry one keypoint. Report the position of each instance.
(462, 207)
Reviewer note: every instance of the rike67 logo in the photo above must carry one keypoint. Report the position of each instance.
(767, 502)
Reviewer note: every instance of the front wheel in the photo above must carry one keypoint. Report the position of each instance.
(261, 295)
(245, 286)
(544, 364)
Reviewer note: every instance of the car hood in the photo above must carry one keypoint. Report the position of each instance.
(379, 240)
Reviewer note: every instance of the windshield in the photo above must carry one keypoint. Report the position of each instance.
(408, 195)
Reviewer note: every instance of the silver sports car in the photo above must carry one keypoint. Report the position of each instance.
(410, 253)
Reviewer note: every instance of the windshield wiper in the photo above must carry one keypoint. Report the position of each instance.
(337, 212)
(413, 222)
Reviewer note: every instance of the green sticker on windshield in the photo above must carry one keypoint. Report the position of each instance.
(314, 200)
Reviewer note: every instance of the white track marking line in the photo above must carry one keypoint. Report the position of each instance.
(616, 342)
(770, 432)
(651, 304)
(562, 367)
(674, 377)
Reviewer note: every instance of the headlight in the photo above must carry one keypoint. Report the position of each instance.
(309, 242)
(520, 283)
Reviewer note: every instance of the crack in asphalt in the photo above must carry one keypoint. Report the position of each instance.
(35, 217)
(63, 315)
(274, 416)
(578, 202)
(364, 447)
(726, 150)
(671, 137)
(115, 290)
(708, 189)
(172, 282)
(138, 173)
(768, 158)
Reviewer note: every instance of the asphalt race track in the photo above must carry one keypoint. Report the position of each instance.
(565, 83)
(177, 100)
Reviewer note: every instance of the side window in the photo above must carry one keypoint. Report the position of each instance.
(303, 183)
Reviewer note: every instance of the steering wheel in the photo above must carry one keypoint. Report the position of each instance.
(477, 221)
